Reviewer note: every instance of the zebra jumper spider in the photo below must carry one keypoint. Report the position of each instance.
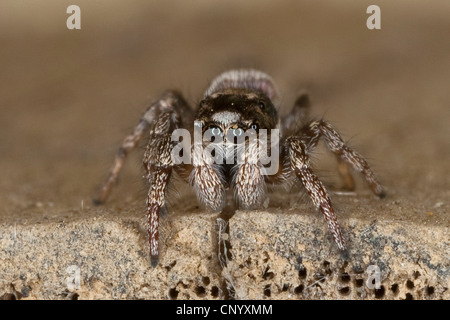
(236, 101)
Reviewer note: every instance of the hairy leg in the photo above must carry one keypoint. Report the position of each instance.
(128, 144)
(300, 164)
(162, 117)
(248, 178)
(171, 100)
(207, 180)
(310, 135)
(158, 165)
(158, 162)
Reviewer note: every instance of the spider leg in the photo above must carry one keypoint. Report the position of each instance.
(300, 164)
(248, 179)
(159, 165)
(164, 116)
(347, 156)
(128, 144)
(170, 100)
(207, 180)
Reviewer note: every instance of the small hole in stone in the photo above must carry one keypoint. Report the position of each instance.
(267, 292)
(429, 290)
(302, 273)
(185, 286)
(299, 289)
(409, 296)
(73, 296)
(409, 284)
(379, 293)
(267, 275)
(170, 266)
(344, 291)
(285, 287)
(394, 288)
(8, 296)
(215, 292)
(416, 274)
(200, 291)
(206, 281)
(173, 293)
(326, 264)
(345, 277)
(359, 283)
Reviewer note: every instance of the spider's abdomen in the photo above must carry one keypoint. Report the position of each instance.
(247, 79)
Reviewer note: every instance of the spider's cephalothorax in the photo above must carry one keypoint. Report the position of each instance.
(237, 102)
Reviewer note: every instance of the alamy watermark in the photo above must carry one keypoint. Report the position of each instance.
(374, 20)
(73, 281)
(373, 277)
(74, 20)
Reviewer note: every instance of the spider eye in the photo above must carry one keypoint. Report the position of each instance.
(215, 131)
(237, 132)
(261, 105)
(254, 126)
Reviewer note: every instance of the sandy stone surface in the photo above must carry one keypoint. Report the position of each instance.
(300, 262)
(67, 99)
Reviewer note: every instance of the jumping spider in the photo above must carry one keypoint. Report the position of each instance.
(236, 101)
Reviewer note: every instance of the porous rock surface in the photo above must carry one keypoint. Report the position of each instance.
(286, 253)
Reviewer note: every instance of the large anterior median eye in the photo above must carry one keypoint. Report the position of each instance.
(213, 131)
(237, 132)
(216, 131)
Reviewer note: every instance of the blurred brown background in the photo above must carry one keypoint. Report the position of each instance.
(68, 97)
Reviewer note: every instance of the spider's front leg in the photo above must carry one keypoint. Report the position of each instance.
(164, 116)
(248, 180)
(206, 177)
(171, 100)
(159, 166)
(300, 164)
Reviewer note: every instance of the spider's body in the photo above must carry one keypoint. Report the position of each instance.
(237, 102)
